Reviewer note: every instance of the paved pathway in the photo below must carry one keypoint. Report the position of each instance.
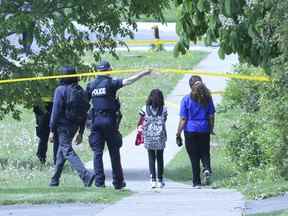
(175, 198)
(267, 205)
(75, 209)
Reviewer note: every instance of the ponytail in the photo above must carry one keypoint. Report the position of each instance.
(199, 91)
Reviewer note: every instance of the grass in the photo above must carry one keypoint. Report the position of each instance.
(278, 213)
(255, 184)
(24, 180)
(33, 188)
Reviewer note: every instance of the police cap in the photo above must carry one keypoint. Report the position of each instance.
(65, 70)
(104, 66)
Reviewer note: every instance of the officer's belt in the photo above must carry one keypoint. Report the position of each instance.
(104, 113)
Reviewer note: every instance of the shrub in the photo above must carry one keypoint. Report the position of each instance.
(259, 136)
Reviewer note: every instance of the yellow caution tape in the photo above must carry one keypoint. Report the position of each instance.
(216, 74)
(161, 70)
(149, 42)
(39, 78)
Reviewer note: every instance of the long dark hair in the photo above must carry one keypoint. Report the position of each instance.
(199, 91)
(155, 99)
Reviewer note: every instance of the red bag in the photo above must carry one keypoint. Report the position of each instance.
(139, 137)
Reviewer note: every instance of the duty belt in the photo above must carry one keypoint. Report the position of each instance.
(104, 113)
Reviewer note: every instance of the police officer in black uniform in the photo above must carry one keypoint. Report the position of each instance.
(42, 113)
(67, 129)
(105, 122)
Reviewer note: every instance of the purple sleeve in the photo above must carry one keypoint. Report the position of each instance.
(183, 109)
(211, 108)
(58, 103)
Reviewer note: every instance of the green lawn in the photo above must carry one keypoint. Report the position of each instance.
(278, 213)
(24, 180)
(255, 184)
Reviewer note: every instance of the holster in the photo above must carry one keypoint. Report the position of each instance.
(118, 118)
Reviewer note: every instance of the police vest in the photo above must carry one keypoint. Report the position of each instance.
(103, 95)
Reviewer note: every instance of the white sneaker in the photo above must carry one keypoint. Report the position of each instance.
(196, 186)
(161, 184)
(153, 184)
(206, 175)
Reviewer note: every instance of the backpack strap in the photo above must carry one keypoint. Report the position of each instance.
(150, 113)
(160, 111)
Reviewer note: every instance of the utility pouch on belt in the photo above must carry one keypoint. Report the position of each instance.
(118, 118)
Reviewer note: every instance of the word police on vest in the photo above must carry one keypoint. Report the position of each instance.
(99, 92)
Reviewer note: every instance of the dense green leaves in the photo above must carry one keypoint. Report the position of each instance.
(258, 137)
(251, 29)
(37, 36)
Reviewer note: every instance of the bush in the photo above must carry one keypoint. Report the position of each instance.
(259, 137)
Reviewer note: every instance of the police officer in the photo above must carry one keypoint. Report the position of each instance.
(66, 130)
(42, 113)
(103, 91)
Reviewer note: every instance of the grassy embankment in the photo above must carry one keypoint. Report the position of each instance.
(24, 180)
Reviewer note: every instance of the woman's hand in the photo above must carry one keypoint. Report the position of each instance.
(179, 141)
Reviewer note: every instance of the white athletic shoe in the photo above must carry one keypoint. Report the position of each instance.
(153, 184)
(206, 175)
(161, 183)
(196, 186)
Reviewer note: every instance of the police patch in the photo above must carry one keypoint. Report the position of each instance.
(99, 92)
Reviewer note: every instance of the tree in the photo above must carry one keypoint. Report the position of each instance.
(257, 30)
(36, 36)
(250, 28)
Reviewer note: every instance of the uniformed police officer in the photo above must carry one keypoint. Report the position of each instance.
(102, 91)
(66, 130)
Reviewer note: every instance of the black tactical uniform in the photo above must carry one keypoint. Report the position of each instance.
(42, 115)
(66, 129)
(105, 124)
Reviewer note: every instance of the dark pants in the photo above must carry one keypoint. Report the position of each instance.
(104, 130)
(66, 152)
(154, 155)
(42, 132)
(198, 148)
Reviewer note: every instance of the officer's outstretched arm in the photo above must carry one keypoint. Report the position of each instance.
(136, 77)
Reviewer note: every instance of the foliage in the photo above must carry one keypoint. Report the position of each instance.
(37, 36)
(258, 137)
(169, 15)
(252, 29)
